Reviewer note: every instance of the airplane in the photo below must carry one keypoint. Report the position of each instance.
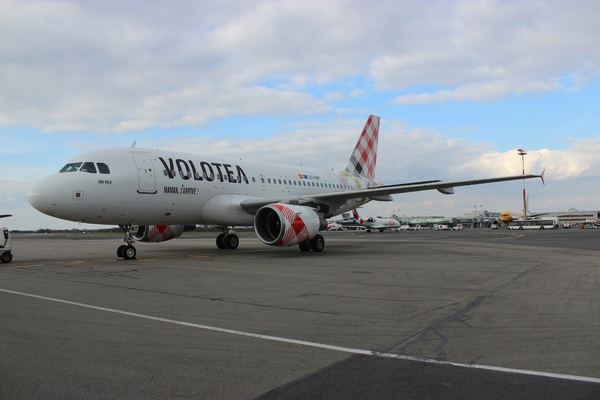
(157, 195)
(507, 216)
(376, 222)
(593, 223)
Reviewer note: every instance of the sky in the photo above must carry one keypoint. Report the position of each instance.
(459, 86)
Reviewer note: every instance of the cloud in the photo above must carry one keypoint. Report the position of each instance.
(488, 91)
(110, 67)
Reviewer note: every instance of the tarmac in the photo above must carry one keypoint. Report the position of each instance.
(473, 314)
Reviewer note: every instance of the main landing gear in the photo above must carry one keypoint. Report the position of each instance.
(127, 251)
(227, 240)
(316, 244)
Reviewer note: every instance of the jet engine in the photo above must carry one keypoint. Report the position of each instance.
(158, 233)
(285, 224)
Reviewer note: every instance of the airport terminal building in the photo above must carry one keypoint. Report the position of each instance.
(485, 218)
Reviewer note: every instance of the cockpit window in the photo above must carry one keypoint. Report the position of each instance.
(88, 167)
(103, 168)
(71, 167)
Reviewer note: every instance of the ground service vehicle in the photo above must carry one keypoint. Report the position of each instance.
(5, 246)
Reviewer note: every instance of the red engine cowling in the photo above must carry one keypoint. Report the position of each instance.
(158, 233)
(285, 225)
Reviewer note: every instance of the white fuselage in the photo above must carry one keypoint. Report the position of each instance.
(381, 223)
(140, 186)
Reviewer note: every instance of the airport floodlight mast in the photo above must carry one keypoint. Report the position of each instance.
(522, 153)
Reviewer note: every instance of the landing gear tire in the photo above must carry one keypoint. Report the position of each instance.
(304, 246)
(317, 244)
(129, 253)
(221, 241)
(120, 250)
(231, 241)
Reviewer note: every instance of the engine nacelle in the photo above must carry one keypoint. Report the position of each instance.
(285, 224)
(158, 233)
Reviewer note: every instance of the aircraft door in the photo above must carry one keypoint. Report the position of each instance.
(146, 173)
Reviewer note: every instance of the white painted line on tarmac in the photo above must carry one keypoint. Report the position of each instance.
(312, 344)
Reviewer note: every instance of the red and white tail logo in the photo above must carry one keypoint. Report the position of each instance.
(363, 159)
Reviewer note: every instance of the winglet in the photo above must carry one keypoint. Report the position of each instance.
(542, 177)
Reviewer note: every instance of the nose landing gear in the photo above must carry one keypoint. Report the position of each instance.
(127, 251)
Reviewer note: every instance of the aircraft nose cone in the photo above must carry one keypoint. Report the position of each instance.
(42, 196)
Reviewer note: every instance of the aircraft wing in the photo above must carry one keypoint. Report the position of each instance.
(380, 193)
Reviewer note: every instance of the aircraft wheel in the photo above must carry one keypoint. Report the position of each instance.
(6, 257)
(304, 246)
(232, 241)
(221, 241)
(317, 244)
(121, 250)
(129, 252)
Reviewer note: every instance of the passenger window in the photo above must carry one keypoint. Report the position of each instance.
(88, 167)
(103, 168)
(72, 167)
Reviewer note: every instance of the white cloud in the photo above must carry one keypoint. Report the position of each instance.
(487, 91)
(112, 66)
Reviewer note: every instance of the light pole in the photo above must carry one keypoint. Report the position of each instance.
(522, 153)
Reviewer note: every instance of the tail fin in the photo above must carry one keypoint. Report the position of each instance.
(364, 157)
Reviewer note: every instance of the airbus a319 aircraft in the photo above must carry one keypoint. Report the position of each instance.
(157, 195)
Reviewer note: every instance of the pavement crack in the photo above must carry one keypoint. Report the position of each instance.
(435, 332)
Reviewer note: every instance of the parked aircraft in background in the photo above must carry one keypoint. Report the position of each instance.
(506, 217)
(378, 223)
(592, 223)
(157, 195)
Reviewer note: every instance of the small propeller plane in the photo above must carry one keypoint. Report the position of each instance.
(157, 195)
